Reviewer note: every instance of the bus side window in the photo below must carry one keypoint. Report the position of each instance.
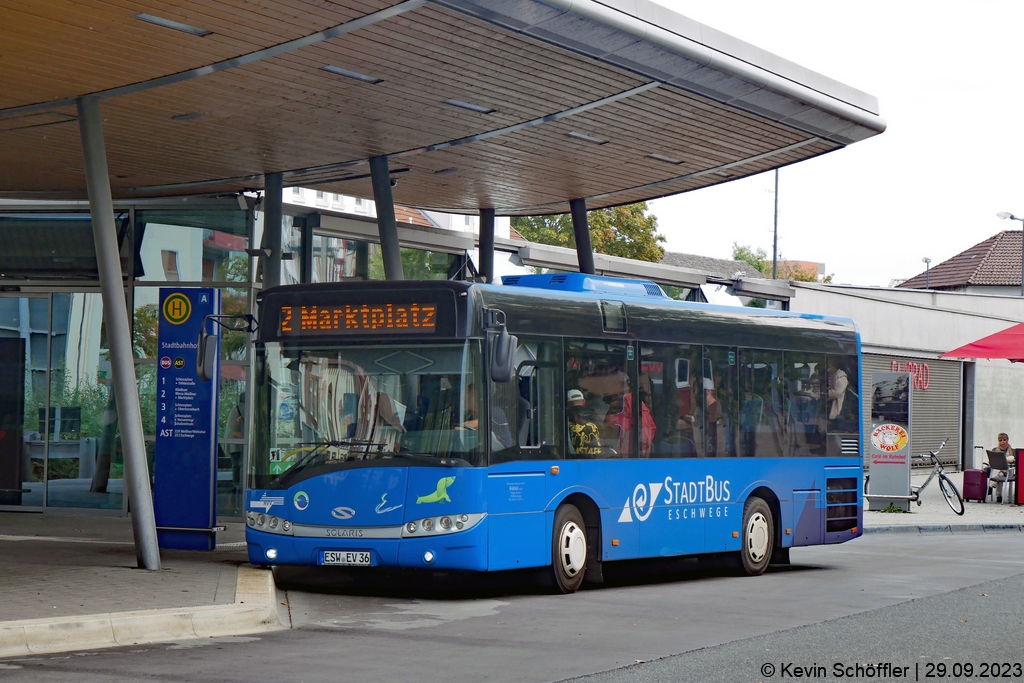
(843, 396)
(531, 403)
(600, 370)
(805, 403)
(761, 403)
(722, 402)
(672, 376)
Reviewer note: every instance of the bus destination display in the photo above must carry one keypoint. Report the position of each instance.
(381, 318)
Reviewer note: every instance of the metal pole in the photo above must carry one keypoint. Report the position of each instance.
(119, 336)
(584, 249)
(487, 244)
(775, 238)
(386, 224)
(273, 197)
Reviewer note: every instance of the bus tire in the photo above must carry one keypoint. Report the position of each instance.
(758, 536)
(568, 549)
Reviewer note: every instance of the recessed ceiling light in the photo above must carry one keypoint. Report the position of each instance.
(446, 171)
(662, 157)
(588, 138)
(723, 174)
(191, 116)
(167, 23)
(330, 68)
(469, 105)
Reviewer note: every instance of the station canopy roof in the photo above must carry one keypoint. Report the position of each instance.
(515, 105)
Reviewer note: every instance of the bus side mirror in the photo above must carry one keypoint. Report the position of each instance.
(206, 355)
(503, 352)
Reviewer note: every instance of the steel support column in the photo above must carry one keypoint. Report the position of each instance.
(386, 224)
(486, 249)
(273, 196)
(584, 250)
(119, 336)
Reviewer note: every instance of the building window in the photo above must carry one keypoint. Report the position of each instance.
(170, 263)
(296, 190)
(469, 220)
(337, 197)
(319, 194)
(359, 201)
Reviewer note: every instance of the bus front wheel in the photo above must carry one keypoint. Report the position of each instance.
(569, 549)
(758, 536)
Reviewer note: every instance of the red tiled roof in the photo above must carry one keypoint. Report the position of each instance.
(994, 262)
(406, 216)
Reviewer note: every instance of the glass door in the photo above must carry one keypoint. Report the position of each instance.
(85, 466)
(24, 382)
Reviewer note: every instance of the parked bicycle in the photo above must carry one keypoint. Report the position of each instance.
(946, 485)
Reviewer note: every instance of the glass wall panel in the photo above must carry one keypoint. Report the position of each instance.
(24, 324)
(193, 246)
(85, 465)
(232, 438)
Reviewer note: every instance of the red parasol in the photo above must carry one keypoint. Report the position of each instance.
(1008, 344)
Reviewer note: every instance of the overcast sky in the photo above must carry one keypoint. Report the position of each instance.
(948, 80)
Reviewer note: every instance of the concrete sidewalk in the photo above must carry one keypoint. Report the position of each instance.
(935, 516)
(71, 582)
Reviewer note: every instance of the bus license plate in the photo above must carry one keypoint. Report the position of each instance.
(346, 558)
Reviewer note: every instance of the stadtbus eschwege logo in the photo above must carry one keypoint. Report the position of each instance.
(177, 308)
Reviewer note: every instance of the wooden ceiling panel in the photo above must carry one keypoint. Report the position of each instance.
(67, 48)
(224, 130)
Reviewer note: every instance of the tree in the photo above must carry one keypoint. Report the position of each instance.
(786, 270)
(757, 258)
(627, 231)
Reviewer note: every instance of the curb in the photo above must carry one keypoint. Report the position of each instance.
(943, 528)
(254, 610)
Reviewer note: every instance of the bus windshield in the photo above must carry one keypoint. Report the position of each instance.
(335, 406)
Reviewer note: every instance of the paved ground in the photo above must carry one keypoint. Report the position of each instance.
(64, 566)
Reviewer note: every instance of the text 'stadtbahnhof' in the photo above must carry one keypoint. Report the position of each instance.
(144, 144)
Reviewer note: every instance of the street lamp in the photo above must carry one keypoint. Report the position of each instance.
(927, 262)
(1007, 214)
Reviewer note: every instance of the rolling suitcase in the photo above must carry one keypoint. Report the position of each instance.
(975, 485)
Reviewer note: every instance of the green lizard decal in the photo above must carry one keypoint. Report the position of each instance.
(441, 494)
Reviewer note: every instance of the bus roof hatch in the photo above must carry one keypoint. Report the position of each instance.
(592, 284)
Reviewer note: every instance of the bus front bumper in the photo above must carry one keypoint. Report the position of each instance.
(465, 550)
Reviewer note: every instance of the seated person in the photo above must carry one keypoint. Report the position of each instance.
(584, 434)
(501, 435)
(998, 477)
(621, 415)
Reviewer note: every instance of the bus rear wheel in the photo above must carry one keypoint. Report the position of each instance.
(568, 549)
(758, 536)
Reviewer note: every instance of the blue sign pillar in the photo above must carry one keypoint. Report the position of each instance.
(185, 470)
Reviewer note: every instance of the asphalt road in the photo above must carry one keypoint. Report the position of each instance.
(914, 601)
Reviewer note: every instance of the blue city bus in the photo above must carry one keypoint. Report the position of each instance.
(556, 421)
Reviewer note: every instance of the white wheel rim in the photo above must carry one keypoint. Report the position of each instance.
(757, 537)
(572, 549)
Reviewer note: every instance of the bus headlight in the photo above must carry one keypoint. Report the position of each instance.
(261, 520)
(273, 522)
(271, 553)
(447, 524)
(428, 557)
(250, 518)
(286, 525)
